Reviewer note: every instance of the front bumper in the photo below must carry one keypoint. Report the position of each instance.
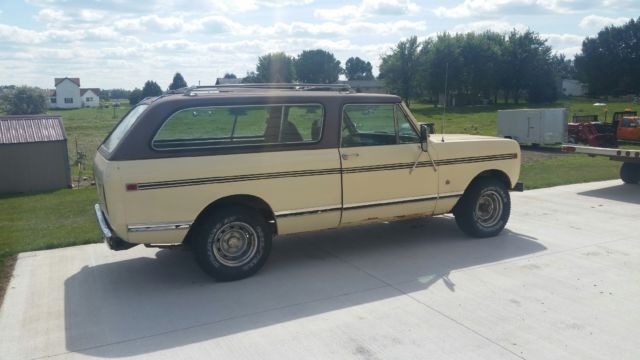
(111, 239)
(518, 187)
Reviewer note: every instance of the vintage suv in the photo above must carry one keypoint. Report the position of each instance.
(225, 169)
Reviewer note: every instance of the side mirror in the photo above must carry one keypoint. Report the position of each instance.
(424, 136)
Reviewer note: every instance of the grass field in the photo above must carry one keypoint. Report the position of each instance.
(88, 126)
(65, 217)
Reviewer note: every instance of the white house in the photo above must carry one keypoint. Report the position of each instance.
(69, 95)
(571, 87)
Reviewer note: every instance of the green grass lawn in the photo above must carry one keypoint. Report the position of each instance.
(45, 221)
(481, 120)
(89, 126)
(567, 169)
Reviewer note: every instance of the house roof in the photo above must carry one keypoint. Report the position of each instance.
(19, 129)
(225, 81)
(51, 92)
(95, 91)
(73, 80)
(363, 83)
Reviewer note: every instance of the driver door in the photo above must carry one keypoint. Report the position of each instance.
(379, 147)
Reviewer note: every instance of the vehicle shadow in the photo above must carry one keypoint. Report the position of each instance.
(117, 309)
(624, 193)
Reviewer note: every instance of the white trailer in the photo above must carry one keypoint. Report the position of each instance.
(534, 126)
(630, 169)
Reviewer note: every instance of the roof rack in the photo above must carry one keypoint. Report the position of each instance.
(253, 87)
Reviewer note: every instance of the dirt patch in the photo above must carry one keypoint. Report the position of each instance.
(531, 154)
(5, 275)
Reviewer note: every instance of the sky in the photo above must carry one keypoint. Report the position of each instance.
(123, 43)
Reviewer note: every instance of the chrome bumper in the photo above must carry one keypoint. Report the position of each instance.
(112, 241)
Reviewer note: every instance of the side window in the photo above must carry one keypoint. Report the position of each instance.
(406, 132)
(307, 120)
(368, 125)
(240, 125)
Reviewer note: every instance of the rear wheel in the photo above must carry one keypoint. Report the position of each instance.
(630, 173)
(484, 209)
(233, 244)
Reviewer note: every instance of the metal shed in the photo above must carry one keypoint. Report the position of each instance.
(33, 154)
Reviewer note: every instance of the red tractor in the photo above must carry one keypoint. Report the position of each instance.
(587, 133)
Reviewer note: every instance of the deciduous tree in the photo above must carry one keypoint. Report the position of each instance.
(317, 67)
(24, 100)
(358, 69)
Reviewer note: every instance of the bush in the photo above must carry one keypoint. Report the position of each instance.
(24, 100)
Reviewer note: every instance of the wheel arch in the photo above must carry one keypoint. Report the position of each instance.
(491, 174)
(246, 200)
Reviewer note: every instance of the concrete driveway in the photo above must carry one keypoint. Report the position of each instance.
(563, 282)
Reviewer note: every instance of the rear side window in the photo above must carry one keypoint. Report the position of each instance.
(121, 129)
(240, 125)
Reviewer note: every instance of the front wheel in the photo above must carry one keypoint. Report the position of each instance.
(233, 244)
(630, 173)
(484, 209)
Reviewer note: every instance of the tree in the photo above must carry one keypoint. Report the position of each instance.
(135, 96)
(116, 93)
(527, 67)
(178, 82)
(317, 67)
(24, 100)
(399, 69)
(609, 63)
(151, 88)
(230, 76)
(272, 68)
(358, 69)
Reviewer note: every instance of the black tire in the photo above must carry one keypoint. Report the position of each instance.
(484, 209)
(232, 244)
(630, 173)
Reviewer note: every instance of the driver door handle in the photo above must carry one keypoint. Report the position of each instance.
(348, 156)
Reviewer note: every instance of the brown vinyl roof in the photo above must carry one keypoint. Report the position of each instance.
(19, 129)
(74, 80)
(95, 91)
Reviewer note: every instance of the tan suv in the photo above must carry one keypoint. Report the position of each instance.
(225, 169)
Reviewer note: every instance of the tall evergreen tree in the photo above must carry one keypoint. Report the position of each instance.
(178, 82)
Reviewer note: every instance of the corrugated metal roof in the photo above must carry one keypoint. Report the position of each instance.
(19, 129)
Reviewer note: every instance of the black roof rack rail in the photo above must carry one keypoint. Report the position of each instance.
(249, 87)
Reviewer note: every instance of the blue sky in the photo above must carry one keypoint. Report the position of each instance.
(121, 43)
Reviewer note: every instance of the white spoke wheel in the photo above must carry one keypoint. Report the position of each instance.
(484, 209)
(232, 244)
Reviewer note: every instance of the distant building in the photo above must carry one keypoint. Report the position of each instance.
(571, 87)
(224, 81)
(33, 154)
(69, 95)
(366, 86)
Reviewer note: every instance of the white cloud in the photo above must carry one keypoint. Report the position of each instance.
(14, 34)
(470, 8)
(598, 22)
(368, 8)
(51, 16)
(481, 26)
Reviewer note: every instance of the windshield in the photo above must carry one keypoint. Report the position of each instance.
(116, 136)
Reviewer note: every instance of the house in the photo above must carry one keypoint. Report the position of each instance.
(33, 154)
(571, 87)
(69, 95)
(373, 86)
(225, 81)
